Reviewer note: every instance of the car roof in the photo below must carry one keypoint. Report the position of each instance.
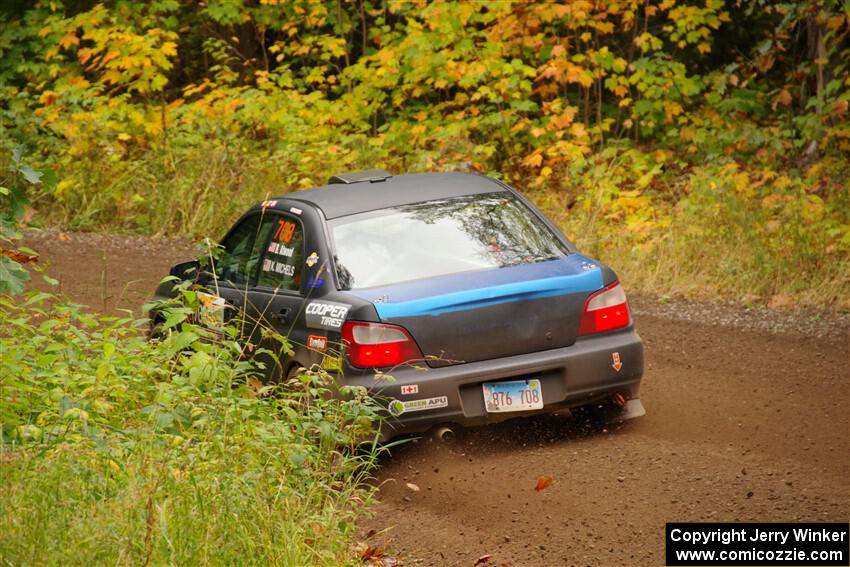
(342, 199)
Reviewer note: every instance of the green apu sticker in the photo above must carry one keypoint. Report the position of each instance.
(398, 407)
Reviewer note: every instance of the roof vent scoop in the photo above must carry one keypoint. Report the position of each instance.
(370, 175)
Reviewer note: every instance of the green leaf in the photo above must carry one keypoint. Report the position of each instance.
(49, 178)
(37, 298)
(164, 419)
(31, 175)
(174, 319)
(13, 277)
(102, 370)
(182, 341)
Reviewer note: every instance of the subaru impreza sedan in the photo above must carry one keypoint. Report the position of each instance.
(449, 296)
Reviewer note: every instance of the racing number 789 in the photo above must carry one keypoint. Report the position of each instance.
(284, 231)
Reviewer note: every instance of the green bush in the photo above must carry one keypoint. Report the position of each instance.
(119, 450)
(720, 229)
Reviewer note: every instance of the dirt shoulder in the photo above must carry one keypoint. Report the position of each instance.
(105, 272)
(741, 426)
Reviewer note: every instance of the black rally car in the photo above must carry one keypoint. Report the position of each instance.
(448, 295)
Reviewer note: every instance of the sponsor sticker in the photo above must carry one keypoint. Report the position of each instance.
(312, 259)
(212, 310)
(280, 249)
(314, 282)
(332, 362)
(410, 389)
(326, 314)
(317, 342)
(278, 267)
(295, 210)
(616, 365)
(268, 204)
(398, 407)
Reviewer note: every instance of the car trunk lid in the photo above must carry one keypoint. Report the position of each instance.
(492, 313)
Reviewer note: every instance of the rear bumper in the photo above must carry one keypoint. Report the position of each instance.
(581, 374)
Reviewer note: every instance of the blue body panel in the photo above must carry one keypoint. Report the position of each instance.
(472, 290)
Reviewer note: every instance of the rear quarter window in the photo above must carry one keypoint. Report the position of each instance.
(284, 256)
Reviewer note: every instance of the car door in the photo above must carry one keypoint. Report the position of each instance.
(263, 276)
(276, 299)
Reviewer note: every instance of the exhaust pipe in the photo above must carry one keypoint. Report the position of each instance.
(444, 434)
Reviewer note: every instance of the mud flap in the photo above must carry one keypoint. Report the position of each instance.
(633, 408)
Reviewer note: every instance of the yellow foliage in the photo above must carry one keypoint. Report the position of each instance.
(47, 98)
(69, 39)
(579, 131)
(533, 160)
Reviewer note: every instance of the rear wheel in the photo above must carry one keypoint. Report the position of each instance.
(274, 366)
(293, 371)
(306, 398)
(156, 332)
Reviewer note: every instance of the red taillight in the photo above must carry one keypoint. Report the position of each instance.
(377, 345)
(605, 310)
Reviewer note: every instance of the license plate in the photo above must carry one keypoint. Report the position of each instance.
(518, 395)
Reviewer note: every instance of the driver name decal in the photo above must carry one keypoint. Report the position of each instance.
(280, 250)
(278, 267)
(326, 314)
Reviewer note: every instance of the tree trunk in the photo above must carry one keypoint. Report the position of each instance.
(816, 53)
(820, 64)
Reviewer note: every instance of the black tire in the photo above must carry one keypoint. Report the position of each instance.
(156, 332)
(293, 371)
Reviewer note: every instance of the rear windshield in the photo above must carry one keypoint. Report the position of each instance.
(441, 237)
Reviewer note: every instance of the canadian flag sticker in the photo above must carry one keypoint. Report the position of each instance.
(410, 389)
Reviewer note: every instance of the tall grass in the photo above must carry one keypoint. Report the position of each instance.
(716, 231)
(723, 228)
(116, 450)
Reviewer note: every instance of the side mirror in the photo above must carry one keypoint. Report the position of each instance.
(186, 270)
